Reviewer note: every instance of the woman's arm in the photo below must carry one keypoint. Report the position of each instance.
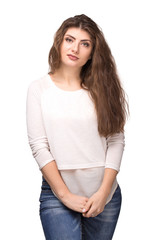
(37, 136)
(54, 179)
(115, 147)
(108, 180)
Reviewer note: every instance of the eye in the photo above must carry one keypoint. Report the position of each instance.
(68, 39)
(86, 44)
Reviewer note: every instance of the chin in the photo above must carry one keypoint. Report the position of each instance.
(71, 64)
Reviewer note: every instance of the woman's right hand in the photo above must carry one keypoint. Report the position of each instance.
(55, 181)
(74, 202)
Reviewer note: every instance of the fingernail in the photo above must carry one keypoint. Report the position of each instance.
(83, 210)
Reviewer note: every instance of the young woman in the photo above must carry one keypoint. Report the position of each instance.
(75, 119)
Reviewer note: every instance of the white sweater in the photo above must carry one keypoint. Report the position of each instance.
(62, 126)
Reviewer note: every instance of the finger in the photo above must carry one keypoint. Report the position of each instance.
(87, 207)
(91, 212)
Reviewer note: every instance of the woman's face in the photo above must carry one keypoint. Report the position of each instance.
(76, 47)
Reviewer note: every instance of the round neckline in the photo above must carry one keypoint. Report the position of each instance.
(62, 90)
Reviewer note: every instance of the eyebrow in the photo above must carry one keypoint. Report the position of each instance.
(74, 38)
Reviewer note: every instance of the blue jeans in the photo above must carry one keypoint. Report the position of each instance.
(62, 223)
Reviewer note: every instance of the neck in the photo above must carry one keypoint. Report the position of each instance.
(68, 76)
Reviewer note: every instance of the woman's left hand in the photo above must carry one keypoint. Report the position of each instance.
(95, 204)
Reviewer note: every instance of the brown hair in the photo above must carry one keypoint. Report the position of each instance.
(99, 76)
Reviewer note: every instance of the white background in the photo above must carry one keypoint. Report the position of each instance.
(132, 31)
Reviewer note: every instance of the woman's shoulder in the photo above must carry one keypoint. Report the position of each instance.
(39, 84)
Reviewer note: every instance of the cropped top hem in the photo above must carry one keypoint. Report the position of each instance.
(80, 166)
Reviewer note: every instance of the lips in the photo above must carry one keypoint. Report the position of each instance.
(72, 57)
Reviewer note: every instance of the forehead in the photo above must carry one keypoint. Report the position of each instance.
(78, 33)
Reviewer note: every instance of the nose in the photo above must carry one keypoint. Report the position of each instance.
(75, 47)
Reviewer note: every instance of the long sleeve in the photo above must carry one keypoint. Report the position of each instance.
(115, 147)
(35, 127)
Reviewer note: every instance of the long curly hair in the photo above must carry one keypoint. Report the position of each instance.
(99, 76)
